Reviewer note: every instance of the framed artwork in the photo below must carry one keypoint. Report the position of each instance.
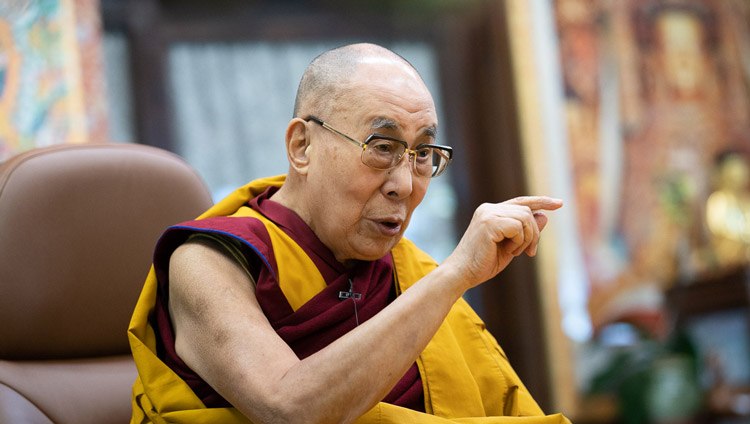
(52, 87)
(628, 111)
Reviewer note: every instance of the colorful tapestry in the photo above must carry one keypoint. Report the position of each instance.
(51, 74)
(656, 92)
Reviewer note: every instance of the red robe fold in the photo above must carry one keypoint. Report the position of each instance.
(315, 324)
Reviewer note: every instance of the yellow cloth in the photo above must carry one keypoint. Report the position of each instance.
(466, 376)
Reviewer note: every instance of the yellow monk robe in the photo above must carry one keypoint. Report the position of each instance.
(465, 374)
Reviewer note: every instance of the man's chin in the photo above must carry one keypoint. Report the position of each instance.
(376, 251)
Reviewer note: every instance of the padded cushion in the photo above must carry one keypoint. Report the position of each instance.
(72, 391)
(78, 225)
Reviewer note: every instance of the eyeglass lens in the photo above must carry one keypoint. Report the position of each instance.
(385, 154)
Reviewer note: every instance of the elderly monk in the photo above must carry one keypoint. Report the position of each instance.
(296, 299)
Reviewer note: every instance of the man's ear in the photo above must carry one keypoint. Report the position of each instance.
(298, 145)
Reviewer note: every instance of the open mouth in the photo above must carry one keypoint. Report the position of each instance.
(390, 224)
(389, 227)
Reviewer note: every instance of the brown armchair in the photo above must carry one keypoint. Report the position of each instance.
(77, 228)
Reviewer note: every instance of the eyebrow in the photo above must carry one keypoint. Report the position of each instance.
(388, 124)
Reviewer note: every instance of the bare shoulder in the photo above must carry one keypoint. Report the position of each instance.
(220, 329)
(204, 280)
(197, 254)
(199, 259)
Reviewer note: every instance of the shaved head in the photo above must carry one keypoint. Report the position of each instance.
(357, 211)
(329, 76)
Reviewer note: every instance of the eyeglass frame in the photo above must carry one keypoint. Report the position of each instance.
(407, 151)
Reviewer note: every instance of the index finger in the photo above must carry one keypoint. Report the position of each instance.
(537, 202)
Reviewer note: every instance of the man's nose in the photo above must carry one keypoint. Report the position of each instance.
(401, 178)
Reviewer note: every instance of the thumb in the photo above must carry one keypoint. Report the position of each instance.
(541, 219)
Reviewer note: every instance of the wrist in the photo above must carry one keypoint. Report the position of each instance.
(452, 277)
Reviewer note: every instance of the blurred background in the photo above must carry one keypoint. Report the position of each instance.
(635, 112)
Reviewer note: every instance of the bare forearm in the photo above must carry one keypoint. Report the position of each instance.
(222, 333)
(347, 378)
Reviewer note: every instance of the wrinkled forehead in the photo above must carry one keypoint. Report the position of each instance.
(390, 81)
(379, 92)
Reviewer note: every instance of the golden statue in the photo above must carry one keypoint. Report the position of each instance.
(728, 211)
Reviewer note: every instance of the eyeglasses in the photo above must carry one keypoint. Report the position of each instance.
(384, 152)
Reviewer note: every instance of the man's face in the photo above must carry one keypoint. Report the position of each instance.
(357, 211)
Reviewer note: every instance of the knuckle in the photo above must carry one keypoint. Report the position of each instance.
(483, 212)
(484, 207)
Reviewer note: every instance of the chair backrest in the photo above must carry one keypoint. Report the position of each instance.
(77, 227)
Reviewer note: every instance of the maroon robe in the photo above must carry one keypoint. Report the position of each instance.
(315, 324)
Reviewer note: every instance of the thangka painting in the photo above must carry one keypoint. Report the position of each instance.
(52, 87)
(657, 107)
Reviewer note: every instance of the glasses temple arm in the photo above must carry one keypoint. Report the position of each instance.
(330, 128)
